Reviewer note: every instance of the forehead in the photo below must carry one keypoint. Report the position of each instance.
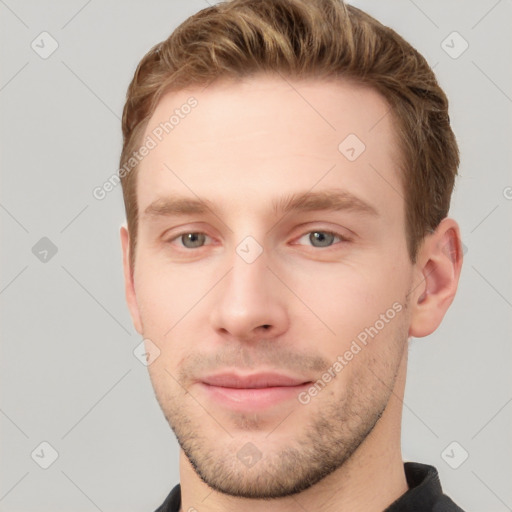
(243, 140)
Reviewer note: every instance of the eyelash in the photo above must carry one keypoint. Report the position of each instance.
(337, 235)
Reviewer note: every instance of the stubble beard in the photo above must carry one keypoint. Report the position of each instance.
(287, 463)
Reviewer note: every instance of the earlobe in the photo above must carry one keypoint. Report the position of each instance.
(129, 285)
(438, 269)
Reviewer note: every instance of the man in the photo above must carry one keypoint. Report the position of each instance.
(287, 170)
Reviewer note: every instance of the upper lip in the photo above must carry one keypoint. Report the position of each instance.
(257, 380)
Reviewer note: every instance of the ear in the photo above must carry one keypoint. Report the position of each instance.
(437, 272)
(129, 287)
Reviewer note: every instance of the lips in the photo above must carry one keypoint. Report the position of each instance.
(260, 392)
(255, 381)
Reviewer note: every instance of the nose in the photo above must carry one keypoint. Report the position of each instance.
(250, 302)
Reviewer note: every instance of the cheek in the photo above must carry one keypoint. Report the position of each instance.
(165, 295)
(170, 300)
(354, 303)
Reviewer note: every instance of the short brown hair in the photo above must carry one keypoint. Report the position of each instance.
(307, 39)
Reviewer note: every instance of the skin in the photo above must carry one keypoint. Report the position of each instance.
(205, 307)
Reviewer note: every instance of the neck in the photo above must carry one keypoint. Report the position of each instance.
(370, 480)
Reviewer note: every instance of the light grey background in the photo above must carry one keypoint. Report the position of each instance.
(68, 373)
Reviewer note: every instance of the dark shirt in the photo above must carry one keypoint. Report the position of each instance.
(424, 495)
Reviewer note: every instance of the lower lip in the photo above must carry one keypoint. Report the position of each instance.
(253, 398)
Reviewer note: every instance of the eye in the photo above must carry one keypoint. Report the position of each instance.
(322, 238)
(190, 240)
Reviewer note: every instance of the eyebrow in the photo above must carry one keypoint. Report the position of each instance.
(329, 200)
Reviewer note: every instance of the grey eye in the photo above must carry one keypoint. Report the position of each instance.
(323, 238)
(194, 239)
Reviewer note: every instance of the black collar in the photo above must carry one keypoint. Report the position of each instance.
(425, 493)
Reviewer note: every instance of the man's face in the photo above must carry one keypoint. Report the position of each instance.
(260, 289)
